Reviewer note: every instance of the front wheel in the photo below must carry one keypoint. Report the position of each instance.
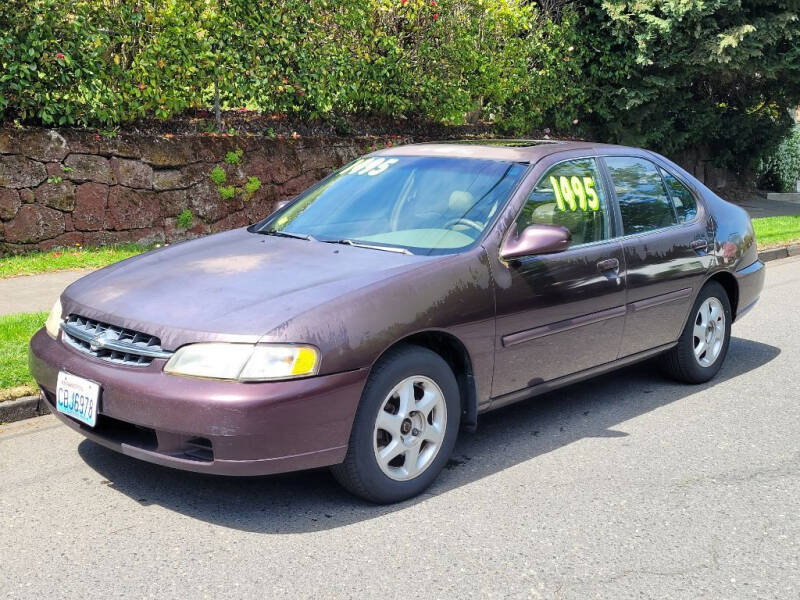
(405, 427)
(703, 344)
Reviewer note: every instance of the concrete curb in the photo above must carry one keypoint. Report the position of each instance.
(776, 253)
(793, 197)
(22, 408)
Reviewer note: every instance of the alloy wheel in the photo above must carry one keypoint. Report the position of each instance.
(410, 428)
(709, 332)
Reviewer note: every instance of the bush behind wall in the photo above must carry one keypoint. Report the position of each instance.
(102, 63)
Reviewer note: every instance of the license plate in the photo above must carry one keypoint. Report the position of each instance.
(77, 397)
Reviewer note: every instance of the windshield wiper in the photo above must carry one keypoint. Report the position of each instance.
(347, 242)
(289, 234)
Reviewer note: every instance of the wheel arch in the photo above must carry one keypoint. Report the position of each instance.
(456, 355)
(731, 286)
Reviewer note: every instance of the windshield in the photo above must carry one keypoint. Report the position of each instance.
(419, 203)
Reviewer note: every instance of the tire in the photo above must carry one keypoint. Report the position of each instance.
(420, 386)
(687, 362)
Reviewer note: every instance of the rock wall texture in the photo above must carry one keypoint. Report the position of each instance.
(699, 162)
(66, 187)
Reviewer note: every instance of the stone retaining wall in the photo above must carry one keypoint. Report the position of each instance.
(66, 187)
(699, 162)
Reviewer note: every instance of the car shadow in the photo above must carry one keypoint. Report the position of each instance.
(312, 500)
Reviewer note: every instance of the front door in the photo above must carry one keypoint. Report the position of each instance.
(665, 243)
(561, 313)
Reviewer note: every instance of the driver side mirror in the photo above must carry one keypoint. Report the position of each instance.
(536, 239)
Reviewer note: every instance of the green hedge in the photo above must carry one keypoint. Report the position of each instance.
(780, 170)
(678, 74)
(106, 62)
(102, 62)
(666, 75)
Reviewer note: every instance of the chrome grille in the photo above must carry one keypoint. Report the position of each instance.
(111, 343)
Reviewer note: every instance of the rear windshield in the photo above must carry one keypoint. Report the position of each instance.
(423, 204)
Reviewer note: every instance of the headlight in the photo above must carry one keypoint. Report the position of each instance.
(280, 362)
(244, 362)
(53, 323)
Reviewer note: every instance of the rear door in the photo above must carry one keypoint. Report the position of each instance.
(665, 243)
(561, 313)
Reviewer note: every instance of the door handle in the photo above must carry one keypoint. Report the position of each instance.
(699, 245)
(609, 264)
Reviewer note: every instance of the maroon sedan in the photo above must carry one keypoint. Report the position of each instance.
(366, 322)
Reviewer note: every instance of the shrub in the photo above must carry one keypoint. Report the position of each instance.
(252, 186)
(780, 170)
(675, 75)
(234, 158)
(226, 192)
(72, 62)
(185, 219)
(666, 75)
(218, 175)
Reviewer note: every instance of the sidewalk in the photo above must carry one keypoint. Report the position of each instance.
(758, 207)
(35, 293)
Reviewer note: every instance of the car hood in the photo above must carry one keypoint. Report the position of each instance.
(232, 286)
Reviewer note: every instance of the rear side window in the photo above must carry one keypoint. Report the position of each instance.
(643, 200)
(682, 198)
(569, 194)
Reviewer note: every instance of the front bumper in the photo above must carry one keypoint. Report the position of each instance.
(207, 426)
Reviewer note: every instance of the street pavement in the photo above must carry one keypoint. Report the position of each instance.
(627, 486)
(34, 293)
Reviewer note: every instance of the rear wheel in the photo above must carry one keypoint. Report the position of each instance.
(405, 427)
(703, 344)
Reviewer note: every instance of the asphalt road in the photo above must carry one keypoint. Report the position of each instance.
(628, 486)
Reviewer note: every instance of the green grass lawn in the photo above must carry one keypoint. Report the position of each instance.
(777, 231)
(64, 259)
(15, 332)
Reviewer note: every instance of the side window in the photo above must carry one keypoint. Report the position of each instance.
(643, 200)
(569, 194)
(682, 198)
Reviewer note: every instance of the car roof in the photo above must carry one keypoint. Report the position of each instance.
(516, 150)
